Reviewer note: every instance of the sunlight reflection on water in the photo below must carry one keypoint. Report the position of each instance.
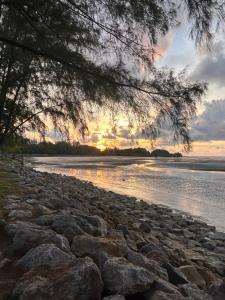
(200, 193)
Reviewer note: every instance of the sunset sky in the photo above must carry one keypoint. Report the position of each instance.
(177, 51)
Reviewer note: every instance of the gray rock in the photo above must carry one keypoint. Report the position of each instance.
(192, 275)
(99, 248)
(151, 265)
(81, 281)
(217, 291)
(159, 295)
(63, 222)
(145, 227)
(19, 214)
(114, 297)
(45, 254)
(28, 237)
(93, 225)
(218, 236)
(192, 291)
(175, 276)
(121, 277)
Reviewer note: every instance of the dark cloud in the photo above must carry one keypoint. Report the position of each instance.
(210, 125)
(211, 67)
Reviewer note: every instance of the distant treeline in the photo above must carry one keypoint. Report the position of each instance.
(65, 148)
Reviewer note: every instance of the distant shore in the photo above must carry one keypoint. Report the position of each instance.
(109, 236)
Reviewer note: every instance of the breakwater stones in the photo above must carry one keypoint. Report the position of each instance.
(62, 238)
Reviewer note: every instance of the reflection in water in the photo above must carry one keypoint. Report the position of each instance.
(200, 193)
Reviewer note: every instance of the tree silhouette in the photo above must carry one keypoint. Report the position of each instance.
(63, 58)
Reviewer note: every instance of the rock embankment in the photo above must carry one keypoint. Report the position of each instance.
(61, 238)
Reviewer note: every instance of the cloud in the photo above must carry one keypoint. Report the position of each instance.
(211, 67)
(210, 125)
(164, 45)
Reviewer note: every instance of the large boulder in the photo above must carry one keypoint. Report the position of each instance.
(99, 247)
(45, 254)
(63, 222)
(155, 252)
(28, 237)
(121, 277)
(151, 265)
(81, 281)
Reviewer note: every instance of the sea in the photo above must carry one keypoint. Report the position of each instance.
(194, 185)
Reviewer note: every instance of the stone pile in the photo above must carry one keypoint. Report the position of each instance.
(62, 238)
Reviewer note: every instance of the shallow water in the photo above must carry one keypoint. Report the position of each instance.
(193, 185)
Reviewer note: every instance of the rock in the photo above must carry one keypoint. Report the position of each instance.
(192, 275)
(164, 287)
(120, 276)
(123, 228)
(63, 222)
(19, 214)
(208, 276)
(159, 295)
(192, 291)
(155, 252)
(45, 254)
(98, 222)
(151, 265)
(81, 281)
(145, 227)
(29, 237)
(99, 248)
(217, 291)
(93, 225)
(218, 236)
(175, 276)
(115, 297)
(40, 210)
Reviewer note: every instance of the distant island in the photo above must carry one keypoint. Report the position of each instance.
(65, 148)
(164, 153)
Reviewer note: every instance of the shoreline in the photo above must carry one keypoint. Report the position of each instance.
(169, 253)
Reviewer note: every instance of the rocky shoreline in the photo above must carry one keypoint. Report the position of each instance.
(62, 238)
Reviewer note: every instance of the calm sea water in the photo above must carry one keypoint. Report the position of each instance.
(193, 185)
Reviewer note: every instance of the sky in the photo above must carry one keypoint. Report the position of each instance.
(178, 52)
(208, 129)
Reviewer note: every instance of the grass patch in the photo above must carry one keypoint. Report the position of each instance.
(8, 185)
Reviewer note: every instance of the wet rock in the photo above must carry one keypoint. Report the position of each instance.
(159, 295)
(29, 237)
(175, 276)
(120, 276)
(192, 275)
(81, 281)
(45, 254)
